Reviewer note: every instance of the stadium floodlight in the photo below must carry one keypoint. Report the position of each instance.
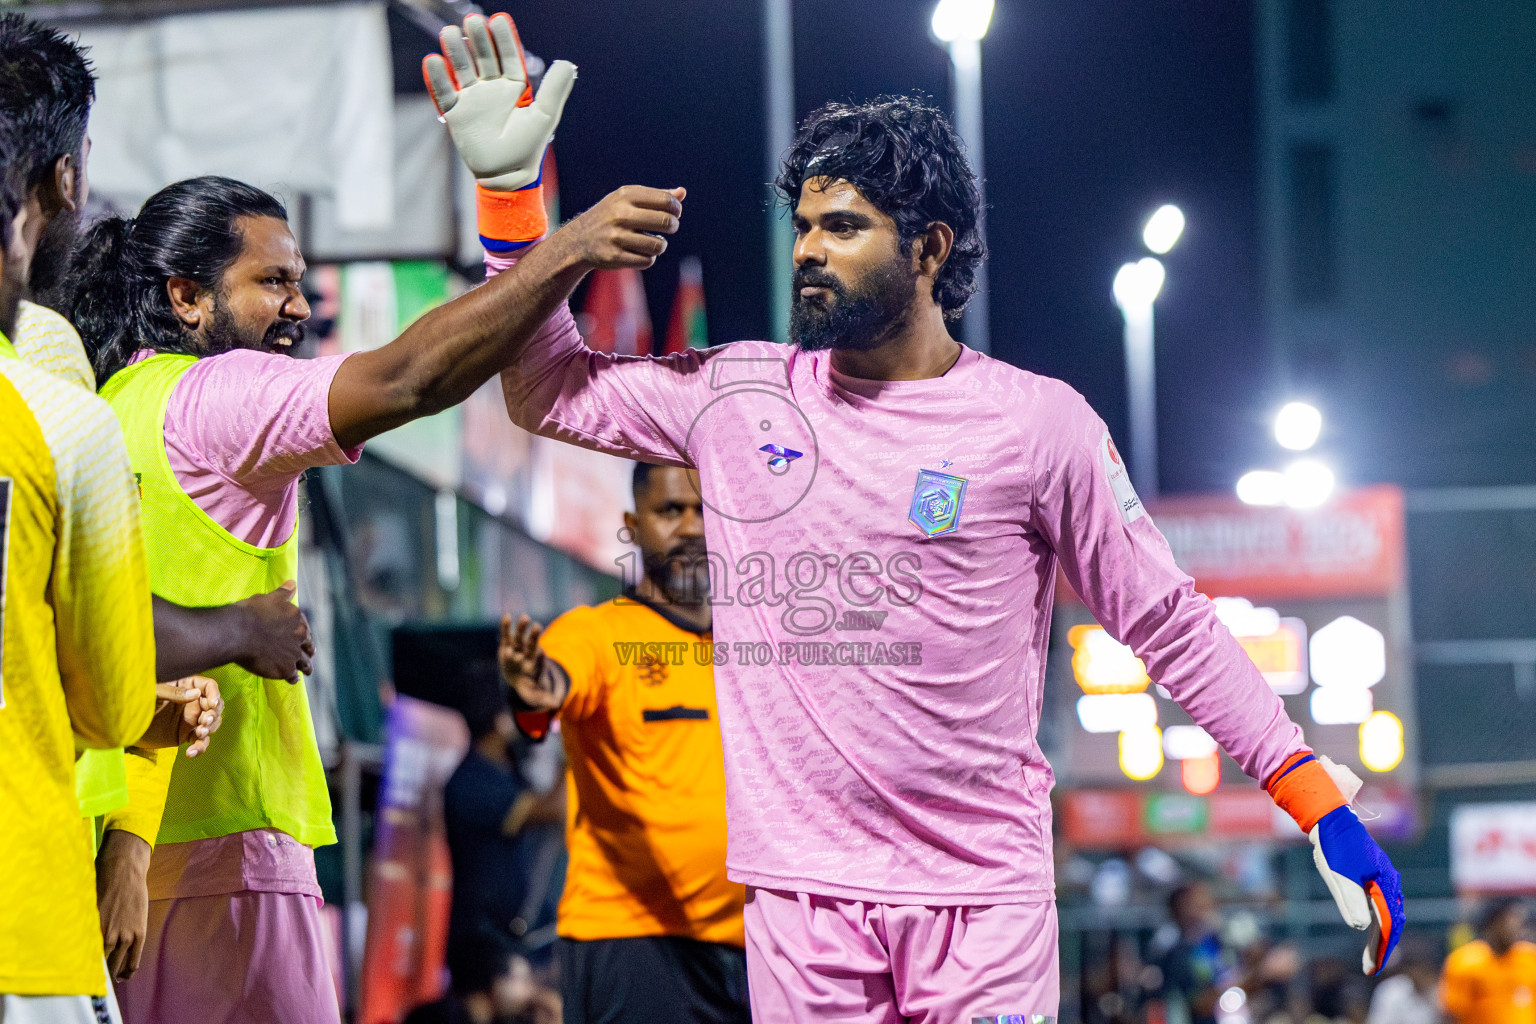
(1308, 483)
(1137, 284)
(1186, 742)
(1261, 487)
(957, 21)
(1163, 229)
(1297, 426)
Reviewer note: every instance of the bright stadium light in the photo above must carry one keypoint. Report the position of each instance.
(1187, 742)
(1348, 654)
(1261, 487)
(1163, 229)
(1101, 664)
(957, 21)
(1137, 284)
(1381, 741)
(1141, 752)
(1340, 705)
(1297, 426)
(1308, 483)
(1244, 619)
(1116, 712)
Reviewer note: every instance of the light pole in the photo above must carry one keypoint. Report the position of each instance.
(960, 25)
(779, 117)
(1136, 287)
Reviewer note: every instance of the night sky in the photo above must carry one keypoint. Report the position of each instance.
(1096, 113)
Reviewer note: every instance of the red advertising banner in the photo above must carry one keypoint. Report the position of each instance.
(410, 874)
(1493, 848)
(1119, 819)
(1350, 547)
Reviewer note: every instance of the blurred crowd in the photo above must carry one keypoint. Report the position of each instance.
(1205, 966)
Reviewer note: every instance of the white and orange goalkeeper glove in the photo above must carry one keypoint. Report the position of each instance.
(1316, 792)
(500, 128)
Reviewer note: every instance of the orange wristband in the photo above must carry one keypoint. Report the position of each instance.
(511, 217)
(1303, 789)
(533, 724)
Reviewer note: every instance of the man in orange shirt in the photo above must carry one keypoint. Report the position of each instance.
(1492, 980)
(651, 929)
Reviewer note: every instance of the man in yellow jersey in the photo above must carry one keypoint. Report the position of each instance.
(1492, 979)
(190, 311)
(77, 655)
(651, 928)
(48, 89)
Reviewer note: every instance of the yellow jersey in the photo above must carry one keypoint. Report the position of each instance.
(1480, 988)
(126, 791)
(76, 665)
(645, 826)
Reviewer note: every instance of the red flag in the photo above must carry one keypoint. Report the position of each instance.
(688, 327)
(615, 318)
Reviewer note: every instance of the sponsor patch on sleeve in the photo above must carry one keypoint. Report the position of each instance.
(1131, 508)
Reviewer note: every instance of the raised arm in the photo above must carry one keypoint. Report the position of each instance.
(446, 355)
(502, 130)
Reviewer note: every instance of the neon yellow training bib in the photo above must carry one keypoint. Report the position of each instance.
(263, 768)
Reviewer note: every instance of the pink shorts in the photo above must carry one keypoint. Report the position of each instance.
(815, 958)
(238, 958)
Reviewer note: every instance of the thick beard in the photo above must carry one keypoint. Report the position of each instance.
(856, 320)
(50, 261)
(682, 573)
(225, 334)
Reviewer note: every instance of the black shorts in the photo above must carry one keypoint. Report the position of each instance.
(659, 979)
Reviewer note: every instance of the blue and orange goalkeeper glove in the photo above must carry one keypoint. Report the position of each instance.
(1363, 881)
(499, 126)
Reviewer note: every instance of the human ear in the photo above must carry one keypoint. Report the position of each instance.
(186, 301)
(932, 248)
(66, 179)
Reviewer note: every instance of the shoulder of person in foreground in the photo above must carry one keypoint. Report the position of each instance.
(48, 341)
(100, 584)
(257, 418)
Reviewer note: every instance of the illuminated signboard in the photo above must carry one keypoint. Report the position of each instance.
(1317, 600)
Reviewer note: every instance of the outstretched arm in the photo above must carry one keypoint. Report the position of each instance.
(446, 355)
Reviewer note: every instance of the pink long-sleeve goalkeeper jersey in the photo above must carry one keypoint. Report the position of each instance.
(885, 555)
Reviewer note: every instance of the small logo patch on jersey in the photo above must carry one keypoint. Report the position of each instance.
(937, 499)
(652, 670)
(1131, 508)
(1015, 1018)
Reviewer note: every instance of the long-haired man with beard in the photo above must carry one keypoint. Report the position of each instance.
(887, 510)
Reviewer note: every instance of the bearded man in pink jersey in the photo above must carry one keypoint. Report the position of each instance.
(886, 512)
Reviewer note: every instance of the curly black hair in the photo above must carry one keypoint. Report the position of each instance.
(904, 157)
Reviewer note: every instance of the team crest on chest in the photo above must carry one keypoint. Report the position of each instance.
(652, 670)
(937, 499)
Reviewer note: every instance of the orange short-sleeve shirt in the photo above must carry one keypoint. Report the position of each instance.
(645, 825)
(1480, 988)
